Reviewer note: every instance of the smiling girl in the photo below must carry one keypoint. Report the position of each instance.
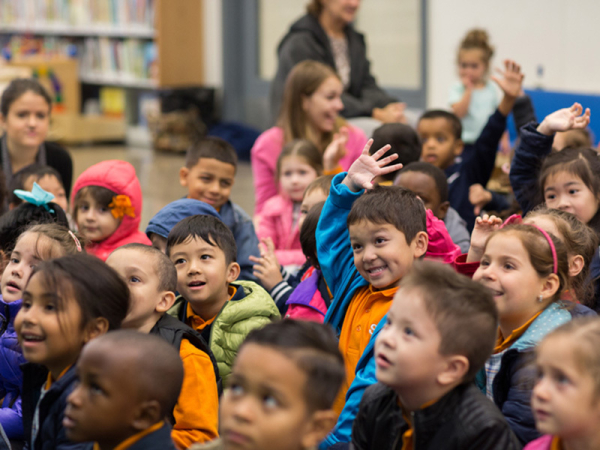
(311, 107)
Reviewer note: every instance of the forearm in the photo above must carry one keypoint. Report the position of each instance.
(506, 105)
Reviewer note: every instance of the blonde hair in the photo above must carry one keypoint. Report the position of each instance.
(477, 38)
(304, 79)
(585, 334)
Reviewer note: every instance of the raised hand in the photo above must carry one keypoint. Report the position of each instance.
(484, 227)
(336, 150)
(479, 197)
(367, 167)
(511, 80)
(565, 119)
(267, 268)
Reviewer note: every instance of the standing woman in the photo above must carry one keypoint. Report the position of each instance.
(326, 34)
(25, 117)
(311, 106)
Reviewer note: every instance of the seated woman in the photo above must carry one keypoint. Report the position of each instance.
(326, 34)
(311, 107)
(25, 108)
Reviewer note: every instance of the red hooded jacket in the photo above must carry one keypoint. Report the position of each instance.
(118, 176)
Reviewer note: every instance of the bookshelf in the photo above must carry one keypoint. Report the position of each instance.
(135, 45)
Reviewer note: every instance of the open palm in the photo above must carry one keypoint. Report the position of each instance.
(367, 167)
(511, 79)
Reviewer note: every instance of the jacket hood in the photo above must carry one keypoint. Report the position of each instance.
(307, 23)
(164, 220)
(118, 176)
(440, 246)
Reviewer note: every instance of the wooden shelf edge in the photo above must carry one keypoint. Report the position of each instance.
(123, 31)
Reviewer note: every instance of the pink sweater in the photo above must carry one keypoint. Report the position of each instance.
(266, 150)
(276, 223)
(543, 443)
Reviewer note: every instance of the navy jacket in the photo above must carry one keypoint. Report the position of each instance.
(51, 433)
(157, 440)
(11, 377)
(476, 166)
(516, 376)
(463, 419)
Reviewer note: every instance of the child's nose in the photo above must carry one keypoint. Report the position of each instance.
(244, 409)
(540, 391)
(74, 398)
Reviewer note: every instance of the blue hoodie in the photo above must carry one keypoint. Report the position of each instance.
(232, 215)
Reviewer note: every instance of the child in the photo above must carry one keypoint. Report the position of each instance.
(430, 184)
(208, 175)
(299, 163)
(15, 222)
(38, 243)
(152, 281)
(440, 133)
(275, 279)
(281, 389)
(526, 270)
(565, 397)
(435, 339)
(366, 243)
(404, 141)
(128, 384)
(475, 98)
(46, 177)
(211, 302)
(68, 302)
(107, 208)
(310, 299)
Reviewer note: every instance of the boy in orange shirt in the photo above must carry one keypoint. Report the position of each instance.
(367, 240)
(152, 280)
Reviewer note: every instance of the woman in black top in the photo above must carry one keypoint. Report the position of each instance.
(25, 117)
(326, 34)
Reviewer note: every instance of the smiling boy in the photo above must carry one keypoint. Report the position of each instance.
(222, 310)
(366, 243)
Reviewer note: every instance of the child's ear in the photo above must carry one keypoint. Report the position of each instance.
(443, 210)
(96, 327)
(319, 426)
(147, 414)
(183, 175)
(456, 368)
(576, 264)
(550, 286)
(458, 147)
(233, 272)
(167, 299)
(420, 243)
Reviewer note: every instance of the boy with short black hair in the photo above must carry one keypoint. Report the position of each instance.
(430, 184)
(128, 383)
(282, 389)
(152, 281)
(436, 337)
(405, 143)
(223, 311)
(440, 133)
(208, 175)
(367, 240)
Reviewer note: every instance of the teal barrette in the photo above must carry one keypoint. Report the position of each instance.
(37, 196)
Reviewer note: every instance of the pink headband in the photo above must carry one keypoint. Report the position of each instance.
(549, 239)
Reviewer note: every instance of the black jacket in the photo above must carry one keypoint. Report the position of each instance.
(306, 39)
(158, 440)
(51, 433)
(463, 419)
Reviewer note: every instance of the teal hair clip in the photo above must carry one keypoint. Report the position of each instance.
(37, 196)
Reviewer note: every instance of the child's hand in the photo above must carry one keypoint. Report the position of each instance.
(336, 150)
(484, 226)
(565, 119)
(367, 167)
(511, 79)
(479, 197)
(267, 269)
(467, 82)
(392, 113)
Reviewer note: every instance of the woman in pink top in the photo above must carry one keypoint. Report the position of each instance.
(311, 106)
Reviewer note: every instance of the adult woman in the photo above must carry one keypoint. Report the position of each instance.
(310, 110)
(25, 117)
(326, 34)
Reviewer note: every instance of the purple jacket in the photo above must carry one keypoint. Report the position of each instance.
(11, 377)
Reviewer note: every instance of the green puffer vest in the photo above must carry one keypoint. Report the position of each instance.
(233, 323)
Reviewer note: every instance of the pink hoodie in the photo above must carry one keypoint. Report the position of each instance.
(118, 176)
(543, 443)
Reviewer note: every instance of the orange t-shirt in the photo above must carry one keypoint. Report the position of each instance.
(197, 410)
(365, 311)
(136, 437)
(556, 444)
(407, 437)
(197, 322)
